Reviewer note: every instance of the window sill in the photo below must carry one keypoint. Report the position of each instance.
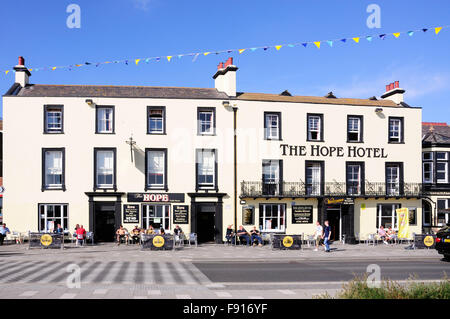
(356, 142)
(53, 133)
(272, 139)
(389, 142)
(206, 134)
(62, 188)
(154, 133)
(105, 133)
(320, 141)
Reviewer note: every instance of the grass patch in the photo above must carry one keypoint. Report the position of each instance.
(358, 288)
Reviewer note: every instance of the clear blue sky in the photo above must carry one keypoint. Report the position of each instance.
(120, 29)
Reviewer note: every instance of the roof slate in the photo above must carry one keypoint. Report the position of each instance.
(435, 133)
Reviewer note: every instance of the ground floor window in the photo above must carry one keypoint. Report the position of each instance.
(156, 215)
(386, 215)
(272, 217)
(443, 211)
(412, 214)
(50, 215)
(426, 211)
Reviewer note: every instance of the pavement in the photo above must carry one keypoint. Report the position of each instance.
(206, 271)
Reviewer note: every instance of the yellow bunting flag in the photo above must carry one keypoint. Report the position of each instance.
(30, 69)
(78, 64)
(54, 68)
(317, 44)
(396, 34)
(206, 53)
(437, 30)
(137, 61)
(356, 40)
(278, 47)
(241, 50)
(6, 72)
(169, 57)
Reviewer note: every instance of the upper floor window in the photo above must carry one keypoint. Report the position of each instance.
(105, 168)
(315, 127)
(314, 177)
(156, 120)
(272, 126)
(427, 167)
(394, 178)
(156, 169)
(206, 165)
(53, 168)
(53, 119)
(354, 128)
(441, 167)
(396, 130)
(355, 179)
(206, 121)
(104, 119)
(272, 176)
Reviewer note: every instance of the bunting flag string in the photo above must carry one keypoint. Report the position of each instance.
(195, 55)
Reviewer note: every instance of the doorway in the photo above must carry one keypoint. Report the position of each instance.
(206, 214)
(104, 221)
(334, 218)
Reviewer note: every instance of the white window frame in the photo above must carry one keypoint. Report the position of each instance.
(446, 206)
(395, 132)
(391, 181)
(351, 127)
(427, 159)
(445, 171)
(316, 178)
(207, 170)
(429, 180)
(58, 114)
(393, 216)
(353, 180)
(272, 132)
(156, 119)
(147, 218)
(314, 125)
(104, 170)
(159, 170)
(103, 121)
(204, 122)
(46, 218)
(54, 170)
(279, 218)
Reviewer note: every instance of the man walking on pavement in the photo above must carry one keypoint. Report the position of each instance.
(326, 236)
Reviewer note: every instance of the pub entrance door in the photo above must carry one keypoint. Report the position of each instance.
(334, 215)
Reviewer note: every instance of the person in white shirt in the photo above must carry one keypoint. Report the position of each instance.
(318, 235)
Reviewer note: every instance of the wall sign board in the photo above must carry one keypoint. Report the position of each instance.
(302, 214)
(131, 214)
(180, 214)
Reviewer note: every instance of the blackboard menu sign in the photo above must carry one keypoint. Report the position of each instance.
(248, 215)
(180, 214)
(131, 214)
(302, 214)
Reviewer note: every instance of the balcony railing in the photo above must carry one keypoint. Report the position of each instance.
(329, 189)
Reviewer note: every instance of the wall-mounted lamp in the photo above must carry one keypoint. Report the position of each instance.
(378, 110)
(89, 102)
(131, 142)
(226, 103)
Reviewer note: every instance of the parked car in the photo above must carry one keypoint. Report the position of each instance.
(443, 241)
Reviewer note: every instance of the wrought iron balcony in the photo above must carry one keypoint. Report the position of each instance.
(329, 189)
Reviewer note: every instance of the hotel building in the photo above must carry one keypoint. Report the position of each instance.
(205, 158)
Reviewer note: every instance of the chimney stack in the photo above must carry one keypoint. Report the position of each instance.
(393, 92)
(225, 77)
(22, 73)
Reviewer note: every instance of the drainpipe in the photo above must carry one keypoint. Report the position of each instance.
(235, 167)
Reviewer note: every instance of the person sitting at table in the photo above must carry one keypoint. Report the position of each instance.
(59, 229)
(391, 234)
(230, 235)
(243, 235)
(162, 231)
(255, 236)
(383, 235)
(178, 233)
(135, 234)
(120, 234)
(150, 230)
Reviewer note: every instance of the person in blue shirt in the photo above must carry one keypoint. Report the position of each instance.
(3, 232)
(326, 236)
(59, 229)
(243, 235)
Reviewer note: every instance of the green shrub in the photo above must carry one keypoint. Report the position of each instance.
(358, 289)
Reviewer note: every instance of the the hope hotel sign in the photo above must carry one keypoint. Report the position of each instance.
(330, 151)
(156, 197)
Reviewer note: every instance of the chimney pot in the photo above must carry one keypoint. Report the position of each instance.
(220, 66)
(229, 62)
(387, 87)
(397, 84)
(391, 86)
(21, 60)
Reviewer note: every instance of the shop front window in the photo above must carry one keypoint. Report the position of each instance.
(272, 217)
(387, 216)
(50, 215)
(443, 211)
(157, 216)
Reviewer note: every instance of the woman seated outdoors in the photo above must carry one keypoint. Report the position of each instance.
(383, 235)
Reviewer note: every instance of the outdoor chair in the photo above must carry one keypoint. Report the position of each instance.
(179, 240)
(310, 241)
(89, 236)
(371, 239)
(193, 239)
